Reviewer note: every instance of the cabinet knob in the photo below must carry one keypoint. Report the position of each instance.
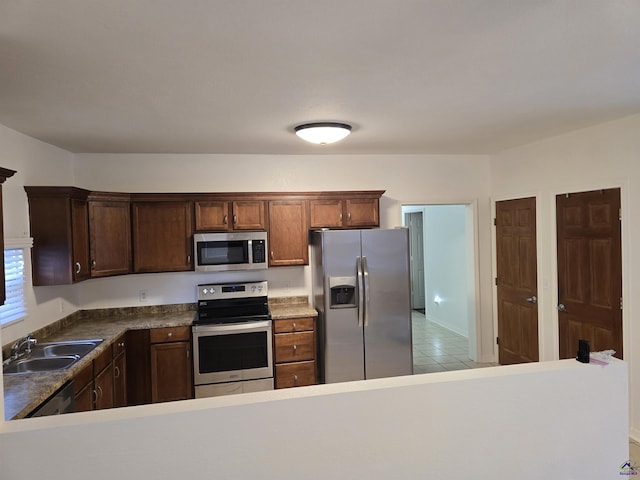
(293, 325)
(93, 264)
(170, 334)
(78, 267)
(295, 379)
(295, 348)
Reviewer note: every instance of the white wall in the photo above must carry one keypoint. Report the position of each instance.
(36, 163)
(604, 156)
(445, 252)
(554, 420)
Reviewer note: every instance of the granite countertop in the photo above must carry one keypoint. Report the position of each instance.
(23, 393)
(291, 307)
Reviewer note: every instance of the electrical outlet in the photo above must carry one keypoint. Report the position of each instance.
(143, 295)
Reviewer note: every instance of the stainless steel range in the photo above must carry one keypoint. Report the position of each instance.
(232, 350)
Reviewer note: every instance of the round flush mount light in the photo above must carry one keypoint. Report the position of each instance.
(323, 133)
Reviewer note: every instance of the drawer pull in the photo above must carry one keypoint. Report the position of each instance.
(295, 379)
(294, 325)
(295, 347)
(99, 395)
(116, 372)
(170, 334)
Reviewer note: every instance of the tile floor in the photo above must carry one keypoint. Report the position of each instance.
(437, 349)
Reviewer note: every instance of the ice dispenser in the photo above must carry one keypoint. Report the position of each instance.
(343, 292)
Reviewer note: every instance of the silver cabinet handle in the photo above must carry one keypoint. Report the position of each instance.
(235, 219)
(116, 372)
(562, 307)
(349, 217)
(188, 258)
(95, 395)
(225, 219)
(271, 254)
(295, 348)
(294, 325)
(78, 267)
(170, 334)
(93, 264)
(340, 218)
(532, 299)
(295, 379)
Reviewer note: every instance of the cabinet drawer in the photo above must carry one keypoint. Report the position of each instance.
(294, 347)
(288, 325)
(119, 346)
(169, 334)
(296, 374)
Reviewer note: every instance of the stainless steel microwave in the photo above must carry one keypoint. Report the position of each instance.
(215, 252)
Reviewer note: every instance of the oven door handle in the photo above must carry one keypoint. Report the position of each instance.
(232, 327)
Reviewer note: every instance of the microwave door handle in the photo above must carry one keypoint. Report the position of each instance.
(360, 288)
(367, 296)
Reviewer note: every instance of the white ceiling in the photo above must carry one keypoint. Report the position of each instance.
(236, 76)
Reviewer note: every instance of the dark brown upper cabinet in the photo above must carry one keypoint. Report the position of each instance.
(110, 234)
(162, 236)
(349, 212)
(59, 223)
(229, 215)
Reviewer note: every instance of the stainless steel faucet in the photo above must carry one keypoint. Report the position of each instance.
(25, 343)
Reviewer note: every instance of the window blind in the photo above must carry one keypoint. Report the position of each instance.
(14, 306)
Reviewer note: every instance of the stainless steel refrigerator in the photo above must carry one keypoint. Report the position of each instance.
(361, 289)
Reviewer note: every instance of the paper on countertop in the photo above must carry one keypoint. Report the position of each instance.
(601, 358)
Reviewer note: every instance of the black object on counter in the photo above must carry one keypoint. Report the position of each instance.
(583, 351)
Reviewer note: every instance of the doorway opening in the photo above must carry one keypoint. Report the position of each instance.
(443, 286)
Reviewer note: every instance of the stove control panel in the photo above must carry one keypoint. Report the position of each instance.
(232, 290)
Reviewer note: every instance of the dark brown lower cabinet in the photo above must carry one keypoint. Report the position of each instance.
(93, 385)
(159, 366)
(171, 377)
(120, 372)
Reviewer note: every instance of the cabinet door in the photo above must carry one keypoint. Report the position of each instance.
(80, 240)
(288, 233)
(325, 213)
(212, 216)
(84, 399)
(110, 235)
(120, 380)
(249, 215)
(162, 236)
(104, 388)
(171, 372)
(362, 212)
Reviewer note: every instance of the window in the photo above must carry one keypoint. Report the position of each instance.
(14, 307)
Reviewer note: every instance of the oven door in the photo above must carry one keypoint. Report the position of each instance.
(232, 352)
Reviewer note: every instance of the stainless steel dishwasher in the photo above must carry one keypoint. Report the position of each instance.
(62, 401)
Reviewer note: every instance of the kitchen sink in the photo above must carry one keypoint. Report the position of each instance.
(51, 356)
(57, 349)
(45, 364)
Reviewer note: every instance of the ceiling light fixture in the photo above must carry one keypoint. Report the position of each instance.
(323, 133)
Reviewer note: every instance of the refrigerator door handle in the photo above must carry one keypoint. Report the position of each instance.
(365, 274)
(360, 287)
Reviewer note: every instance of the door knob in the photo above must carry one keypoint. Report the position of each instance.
(562, 308)
(532, 299)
